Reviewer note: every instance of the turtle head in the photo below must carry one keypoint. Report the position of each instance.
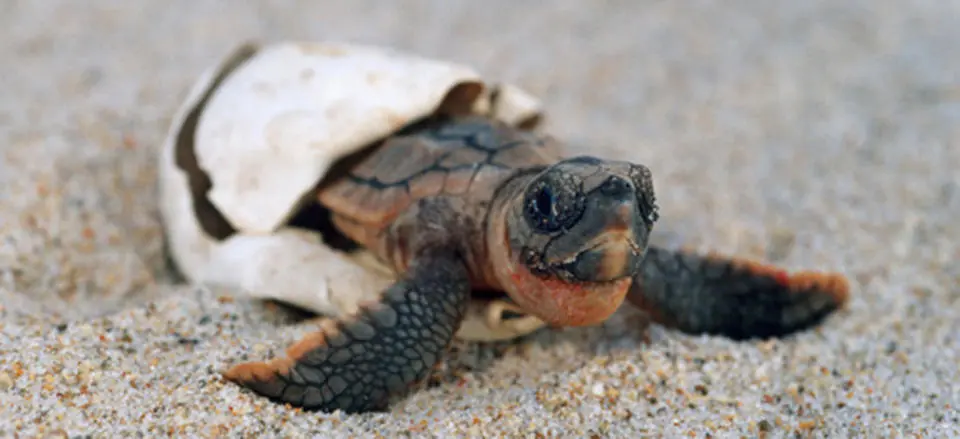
(575, 235)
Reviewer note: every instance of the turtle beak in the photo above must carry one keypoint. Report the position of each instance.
(615, 253)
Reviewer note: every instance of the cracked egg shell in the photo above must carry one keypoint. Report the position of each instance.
(257, 132)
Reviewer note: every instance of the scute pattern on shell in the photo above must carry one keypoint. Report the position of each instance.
(452, 158)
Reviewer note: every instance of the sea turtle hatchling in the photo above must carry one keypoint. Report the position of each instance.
(450, 198)
(467, 203)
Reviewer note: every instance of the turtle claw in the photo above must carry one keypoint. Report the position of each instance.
(733, 297)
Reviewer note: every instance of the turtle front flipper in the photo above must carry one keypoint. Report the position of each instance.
(733, 297)
(356, 364)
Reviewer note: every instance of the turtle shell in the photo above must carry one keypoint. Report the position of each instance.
(450, 156)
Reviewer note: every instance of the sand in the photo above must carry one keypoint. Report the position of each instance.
(817, 134)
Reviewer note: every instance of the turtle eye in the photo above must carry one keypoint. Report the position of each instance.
(545, 201)
(553, 203)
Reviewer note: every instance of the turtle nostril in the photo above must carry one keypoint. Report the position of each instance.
(617, 187)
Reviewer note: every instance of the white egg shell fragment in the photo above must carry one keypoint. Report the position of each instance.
(264, 126)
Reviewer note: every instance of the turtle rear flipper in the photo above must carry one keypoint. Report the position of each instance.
(732, 297)
(357, 364)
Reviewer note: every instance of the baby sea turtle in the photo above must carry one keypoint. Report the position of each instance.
(458, 204)
(441, 181)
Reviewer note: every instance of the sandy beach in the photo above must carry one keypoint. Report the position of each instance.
(817, 135)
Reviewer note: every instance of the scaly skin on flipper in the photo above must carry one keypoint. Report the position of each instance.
(732, 297)
(355, 365)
